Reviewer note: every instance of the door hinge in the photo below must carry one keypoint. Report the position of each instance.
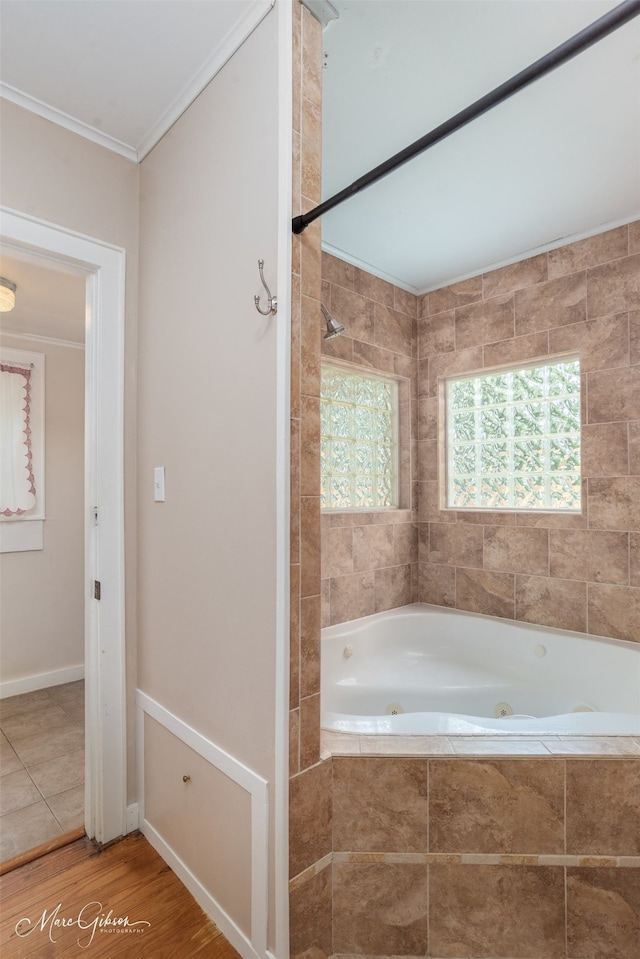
(95, 515)
(96, 589)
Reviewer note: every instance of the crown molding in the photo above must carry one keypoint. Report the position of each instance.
(220, 56)
(39, 338)
(62, 119)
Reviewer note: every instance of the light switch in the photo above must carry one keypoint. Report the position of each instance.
(158, 484)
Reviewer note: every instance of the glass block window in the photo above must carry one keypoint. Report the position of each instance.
(359, 448)
(513, 439)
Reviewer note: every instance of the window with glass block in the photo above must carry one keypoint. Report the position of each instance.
(513, 439)
(359, 445)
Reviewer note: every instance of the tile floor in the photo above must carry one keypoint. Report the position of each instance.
(41, 766)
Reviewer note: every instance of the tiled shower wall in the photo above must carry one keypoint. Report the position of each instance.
(310, 782)
(572, 572)
(370, 559)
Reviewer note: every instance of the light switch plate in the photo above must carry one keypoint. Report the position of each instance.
(158, 484)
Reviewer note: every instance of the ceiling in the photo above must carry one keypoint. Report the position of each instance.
(558, 161)
(49, 302)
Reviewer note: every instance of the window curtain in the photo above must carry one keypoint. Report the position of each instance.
(17, 483)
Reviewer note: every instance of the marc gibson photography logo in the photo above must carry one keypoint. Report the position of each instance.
(90, 920)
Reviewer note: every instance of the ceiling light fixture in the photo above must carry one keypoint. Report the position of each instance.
(7, 295)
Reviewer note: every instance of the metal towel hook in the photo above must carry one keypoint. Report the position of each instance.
(272, 300)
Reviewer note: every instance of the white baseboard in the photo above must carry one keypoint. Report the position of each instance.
(14, 687)
(205, 900)
(133, 817)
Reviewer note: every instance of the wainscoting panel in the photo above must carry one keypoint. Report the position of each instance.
(207, 814)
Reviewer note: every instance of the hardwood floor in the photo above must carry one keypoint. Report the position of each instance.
(94, 888)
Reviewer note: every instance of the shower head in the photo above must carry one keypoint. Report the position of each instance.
(333, 327)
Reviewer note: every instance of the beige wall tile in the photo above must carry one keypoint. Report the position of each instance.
(372, 547)
(310, 347)
(294, 741)
(339, 273)
(310, 545)
(337, 348)
(310, 446)
(309, 817)
(614, 395)
(296, 309)
(428, 418)
(380, 805)
(603, 913)
(375, 288)
(310, 920)
(355, 312)
(311, 171)
(310, 256)
(449, 297)
(516, 276)
(485, 322)
(605, 449)
(496, 806)
(450, 364)
(551, 602)
(394, 331)
(294, 637)
(437, 584)
(405, 544)
(480, 591)
(436, 334)
(552, 304)
(352, 596)
(602, 343)
(519, 348)
(614, 503)
(589, 555)
(294, 532)
(634, 447)
(337, 551)
(325, 595)
(590, 252)
(455, 545)
(372, 357)
(594, 786)
(405, 302)
(310, 615)
(634, 559)
(496, 911)
(380, 909)
(634, 237)
(309, 731)
(614, 287)
(634, 337)
(517, 550)
(614, 611)
(392, 587)
(312, 58)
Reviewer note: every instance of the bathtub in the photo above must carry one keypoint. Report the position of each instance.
(429, 670)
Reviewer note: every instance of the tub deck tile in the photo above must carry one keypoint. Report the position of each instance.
(351, 744)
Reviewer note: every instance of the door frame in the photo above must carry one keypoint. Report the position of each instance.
(103, 267)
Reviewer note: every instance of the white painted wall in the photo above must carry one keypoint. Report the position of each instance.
(207, 588)
(42, 608)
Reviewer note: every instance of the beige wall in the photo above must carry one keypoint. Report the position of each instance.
(207, 414)
(579, 572)
(370, 559)
(42, 609)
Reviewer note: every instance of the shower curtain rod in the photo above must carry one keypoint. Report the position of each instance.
(566, 51)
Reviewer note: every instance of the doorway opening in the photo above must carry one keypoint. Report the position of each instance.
(101, 268)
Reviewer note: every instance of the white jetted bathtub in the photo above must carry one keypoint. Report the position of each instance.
(428, 670)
